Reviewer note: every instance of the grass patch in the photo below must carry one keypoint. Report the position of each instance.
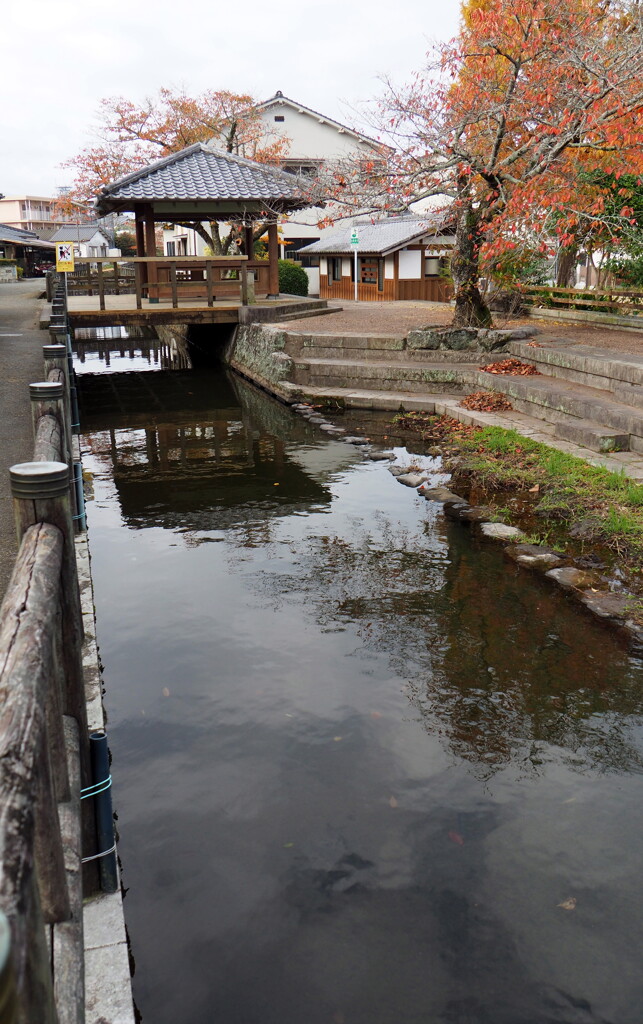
(557, 489)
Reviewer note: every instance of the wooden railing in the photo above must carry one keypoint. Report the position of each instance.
(44, 742)
(169, 278)
(621, 301)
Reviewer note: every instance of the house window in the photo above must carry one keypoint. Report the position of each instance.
(279, 117)
(431, 266)
(170, 248)
(303, 170)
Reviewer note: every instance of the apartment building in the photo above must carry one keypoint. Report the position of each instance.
(31, 213)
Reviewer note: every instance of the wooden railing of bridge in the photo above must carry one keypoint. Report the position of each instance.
(44, 742)
(174, 279)
(620, 301)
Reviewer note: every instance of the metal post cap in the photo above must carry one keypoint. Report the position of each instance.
(49, 390)
(39, 479)
(54, 351)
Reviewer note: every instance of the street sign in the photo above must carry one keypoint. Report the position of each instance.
(64, 256)
(354, 237)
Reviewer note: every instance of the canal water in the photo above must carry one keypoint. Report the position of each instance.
(365, 771)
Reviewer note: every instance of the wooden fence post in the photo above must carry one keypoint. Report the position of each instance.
(55, 357)
(41, 495)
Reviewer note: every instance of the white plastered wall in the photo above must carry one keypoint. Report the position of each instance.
(410, 264)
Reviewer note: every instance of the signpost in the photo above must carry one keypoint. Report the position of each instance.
(64, 257)
(65, 260)
(354, 245)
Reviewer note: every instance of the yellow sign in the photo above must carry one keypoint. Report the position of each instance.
(64, 256)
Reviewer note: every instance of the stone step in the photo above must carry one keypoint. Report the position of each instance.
(304, 314)
(387, 350)
(583, 364)
(373, 375)
(560, 401)
(592, 436)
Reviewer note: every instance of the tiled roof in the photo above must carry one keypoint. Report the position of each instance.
(382, 236)
(77, 233)
(200, 173)
(18, 236)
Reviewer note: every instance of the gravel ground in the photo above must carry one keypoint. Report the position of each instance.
(398, 318)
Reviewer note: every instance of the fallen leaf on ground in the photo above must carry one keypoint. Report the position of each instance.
(393, 802)
(534, 490)
(512, 368)
(376, 714)
(569, 904)
(166, 692)
(337, 738)
(455, 837)
(486, 401)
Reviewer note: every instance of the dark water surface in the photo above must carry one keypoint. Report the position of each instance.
(362, 767)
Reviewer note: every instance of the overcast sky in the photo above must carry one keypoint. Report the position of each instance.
(59, 58)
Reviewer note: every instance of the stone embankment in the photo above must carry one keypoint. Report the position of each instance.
(583, 399)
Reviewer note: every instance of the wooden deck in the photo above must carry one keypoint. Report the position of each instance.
(84, 311)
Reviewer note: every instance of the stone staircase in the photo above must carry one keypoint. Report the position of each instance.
(591, 397)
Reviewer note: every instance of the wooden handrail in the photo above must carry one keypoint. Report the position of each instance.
(43, 735)
(161, 259)
(164, 277)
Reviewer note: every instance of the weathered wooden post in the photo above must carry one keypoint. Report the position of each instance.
(41, 495)
(57, 368)
(55, 357)
(47, 420)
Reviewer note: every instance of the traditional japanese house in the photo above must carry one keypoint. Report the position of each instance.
(397, 258)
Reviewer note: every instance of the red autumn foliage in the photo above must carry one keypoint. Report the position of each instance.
(506, 119)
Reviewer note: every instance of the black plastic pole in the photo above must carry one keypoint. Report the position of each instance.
(104, 816)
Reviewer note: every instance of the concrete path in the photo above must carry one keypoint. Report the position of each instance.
(20, 363)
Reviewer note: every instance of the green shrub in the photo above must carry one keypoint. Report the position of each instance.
(293, 279)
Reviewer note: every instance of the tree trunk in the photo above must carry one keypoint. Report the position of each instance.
(566, 266)
(470, 308)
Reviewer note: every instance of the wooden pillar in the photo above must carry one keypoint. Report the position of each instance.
(150, 250)
(140, 233)
(273, 258)
(249, 241)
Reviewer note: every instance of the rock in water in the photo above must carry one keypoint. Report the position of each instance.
(411, 479)
(500, 531)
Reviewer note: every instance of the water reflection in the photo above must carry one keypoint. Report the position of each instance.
(359, 764)
(104, 349)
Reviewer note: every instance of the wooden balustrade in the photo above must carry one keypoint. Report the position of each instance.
(601, 300)
(44, 740)
(177, 278)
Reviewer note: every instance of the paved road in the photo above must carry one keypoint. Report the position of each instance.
(20, 363)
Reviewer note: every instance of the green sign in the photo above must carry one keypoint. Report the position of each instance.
(354, 237)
